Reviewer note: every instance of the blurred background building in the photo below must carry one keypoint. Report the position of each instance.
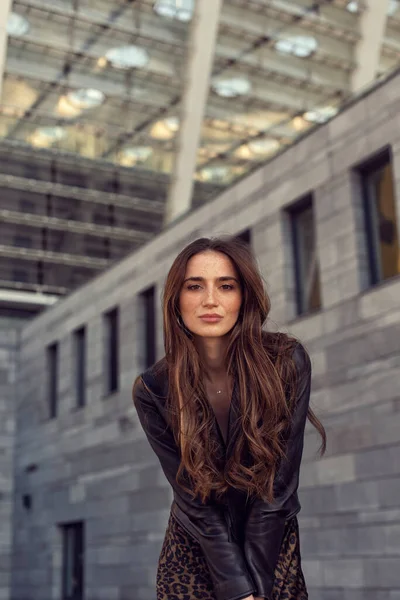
(127, 129)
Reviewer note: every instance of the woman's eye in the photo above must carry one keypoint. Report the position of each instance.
(195, 286)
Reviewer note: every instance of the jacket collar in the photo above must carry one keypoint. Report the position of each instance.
(156, 379)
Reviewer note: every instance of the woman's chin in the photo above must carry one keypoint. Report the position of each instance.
(210, 332)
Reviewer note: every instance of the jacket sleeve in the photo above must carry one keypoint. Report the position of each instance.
(225, 559)
(265, 522)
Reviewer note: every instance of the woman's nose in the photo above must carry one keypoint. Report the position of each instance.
(210, 297)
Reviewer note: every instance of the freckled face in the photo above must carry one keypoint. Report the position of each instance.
(211, 295)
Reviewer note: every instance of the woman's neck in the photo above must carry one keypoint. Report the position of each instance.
(212, 352)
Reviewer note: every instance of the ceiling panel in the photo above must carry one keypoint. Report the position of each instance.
(105, 78)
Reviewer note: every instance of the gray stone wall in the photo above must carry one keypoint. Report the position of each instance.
(9, 339)
(95, 465)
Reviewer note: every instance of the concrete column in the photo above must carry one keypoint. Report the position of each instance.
(198, 70)
(5, 8)
(368, 50)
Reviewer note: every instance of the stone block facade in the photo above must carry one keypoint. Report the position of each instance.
(9, 347)
(94, 464)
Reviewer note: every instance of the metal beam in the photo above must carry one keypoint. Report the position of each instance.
(5, 8)
(201, 46)
(368, 50)
(37, 220)
(25, 299)
(148, 34)
(61, 75)
(69, 191)
(32, 287)
(36, 77)
(61, 258)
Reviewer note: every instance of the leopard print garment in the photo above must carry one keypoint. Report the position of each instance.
(183, 573)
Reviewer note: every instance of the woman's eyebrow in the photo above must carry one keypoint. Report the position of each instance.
(224, 278)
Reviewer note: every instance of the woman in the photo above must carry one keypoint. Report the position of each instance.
(225, 412)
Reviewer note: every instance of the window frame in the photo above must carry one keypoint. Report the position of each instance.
(111, 351)
(372, 240)
(53, 360)
(80, 349)
(78, 558)
(148, 300)
(304, 203)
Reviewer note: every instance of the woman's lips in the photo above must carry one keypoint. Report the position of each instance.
(211, 319)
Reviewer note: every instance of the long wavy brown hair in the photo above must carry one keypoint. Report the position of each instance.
(265, 376)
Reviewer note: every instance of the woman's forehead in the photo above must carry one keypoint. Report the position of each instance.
(210, 262)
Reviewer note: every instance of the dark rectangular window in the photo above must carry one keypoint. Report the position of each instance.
(20, 275)
(23, 241)
(148, 302)
(52, 379)
(245, 236)
(80, 366)
(72, 561)
(111, 350)
(306, 265)
(379, 202)
(26, 206)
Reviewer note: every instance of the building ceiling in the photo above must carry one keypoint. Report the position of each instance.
(104, 79)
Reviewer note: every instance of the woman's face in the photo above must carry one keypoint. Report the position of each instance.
(211, 295)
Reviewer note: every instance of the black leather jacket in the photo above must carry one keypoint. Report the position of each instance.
(240, 539)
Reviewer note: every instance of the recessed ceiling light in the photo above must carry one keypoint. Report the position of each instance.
(320, 115)
(172, 123)
(256, 149)
(299, 123)
(67, 110)
(353, 6)
(46, 136)
(216, 174)
(298, 45)
(18, 93)
(86, 98)
(75, 102)
(127, 57)
(166, 129)
(181, 10)
(232, 87)
(264, 146)
(134, 155)
(17, 25)
(102, 62)
(52, 133)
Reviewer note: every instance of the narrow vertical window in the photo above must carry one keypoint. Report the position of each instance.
(72, 561)
(80, 366)
(381, 226)
(52, 379)
(308, 292)
(111, 350)
(148, 303)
